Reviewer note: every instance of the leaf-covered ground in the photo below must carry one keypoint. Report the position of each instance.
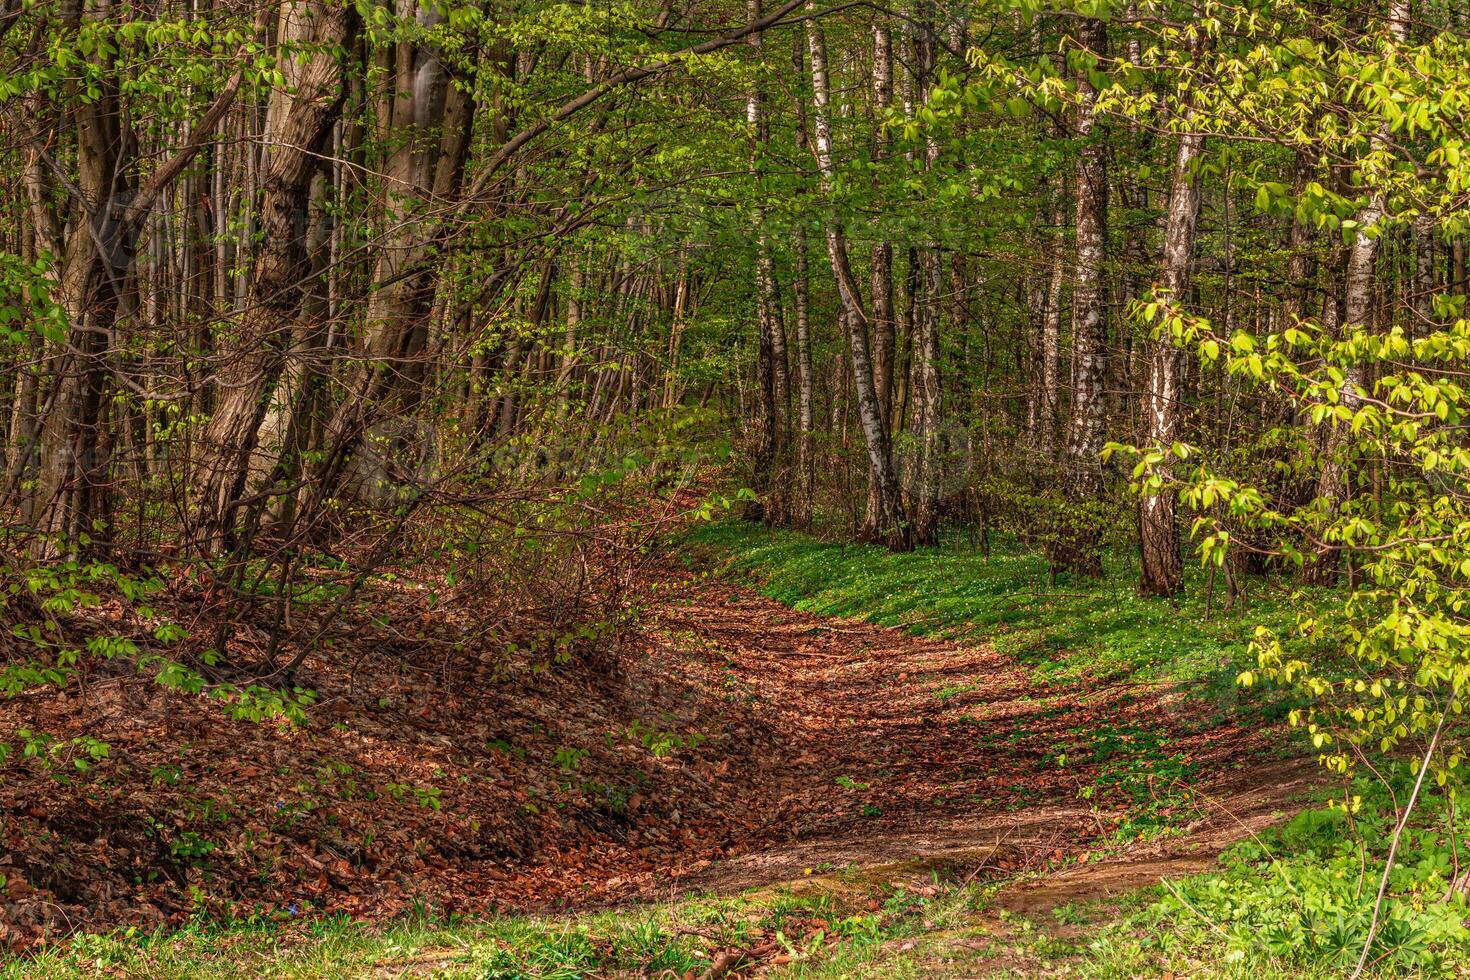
(727, 741)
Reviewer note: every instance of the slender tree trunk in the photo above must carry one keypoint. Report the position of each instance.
(1050, 348)
(575, 299)
(1333, 482)
(805, 451)
(1084, 478)
(893, 527)
(773, 397)
(930, 392)
(803, 506)
(676, 331)
(1162, 571)
(1426, 280)
(1302, 261)
(882, 333)
(1089, 329)
(927, 321)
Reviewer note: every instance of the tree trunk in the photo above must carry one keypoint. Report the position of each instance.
(772, 385)
(927, 385)
(72, 467)
(251, 361)
(893, 526)
(1333, 482)
(429, 119)
(882, 334)
(1089, 331)
(926, 322)
(1162, 571)
(805, 452)
(1081, 553)
(1049, 344)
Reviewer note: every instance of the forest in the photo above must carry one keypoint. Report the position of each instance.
(734, 488)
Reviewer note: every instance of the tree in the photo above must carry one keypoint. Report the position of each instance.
(893, 527)
(1161, 571)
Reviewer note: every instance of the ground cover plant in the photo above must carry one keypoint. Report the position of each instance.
(1003, 597)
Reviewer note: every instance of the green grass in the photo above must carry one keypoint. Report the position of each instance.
(1296, 901)
(1076, 628)
(827, 931)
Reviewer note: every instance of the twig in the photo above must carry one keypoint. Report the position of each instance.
(722, 965)
(1393, 848)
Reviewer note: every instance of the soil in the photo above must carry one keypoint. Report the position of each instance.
(727, 742)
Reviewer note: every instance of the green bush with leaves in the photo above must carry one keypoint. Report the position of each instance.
(1302, 894)
(1386, 667)
(65, 614)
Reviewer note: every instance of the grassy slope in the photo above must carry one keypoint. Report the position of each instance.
(1069, 629)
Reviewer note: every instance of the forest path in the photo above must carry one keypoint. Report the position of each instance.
(911, 757)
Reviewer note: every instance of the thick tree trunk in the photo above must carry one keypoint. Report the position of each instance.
(72, 467)
(252, 360)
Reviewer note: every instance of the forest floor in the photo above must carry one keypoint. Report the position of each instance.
(867, 782)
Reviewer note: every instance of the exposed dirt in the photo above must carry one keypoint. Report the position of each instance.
(730, 742)
(1229, 812)
(920, 753)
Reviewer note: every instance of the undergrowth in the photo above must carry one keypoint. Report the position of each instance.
(1299, 899)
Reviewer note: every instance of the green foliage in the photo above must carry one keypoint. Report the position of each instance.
(55, 609)
(1382, 665)
(425, 796)
(1072, 533)
(1299, 897)
(1137, 766)
(661, 743)
(27, 309)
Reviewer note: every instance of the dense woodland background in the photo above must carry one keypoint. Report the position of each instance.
(493, 295)
(278, 275)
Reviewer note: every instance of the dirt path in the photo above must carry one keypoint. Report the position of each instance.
(909, 756)
(727, 742)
